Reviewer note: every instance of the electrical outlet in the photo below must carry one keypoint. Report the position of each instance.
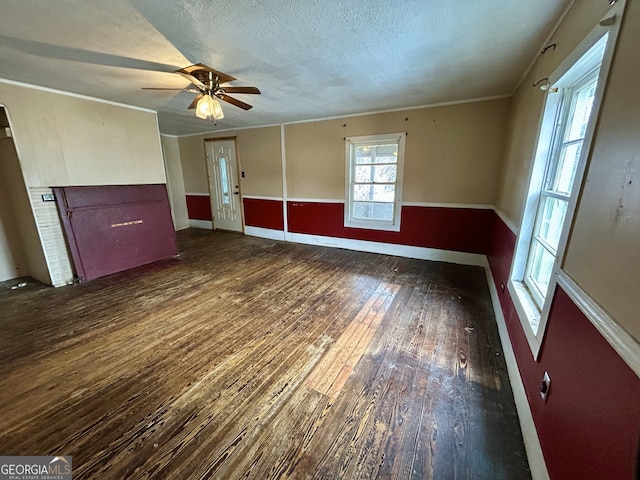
(48, 197)
(545, 385)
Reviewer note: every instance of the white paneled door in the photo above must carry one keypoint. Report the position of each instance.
(223, 185)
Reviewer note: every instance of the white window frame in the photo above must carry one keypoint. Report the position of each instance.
(571, 71)
(351, 143)
(561, 114)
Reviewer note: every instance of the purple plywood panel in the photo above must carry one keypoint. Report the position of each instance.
(114, 228)
(92, 196)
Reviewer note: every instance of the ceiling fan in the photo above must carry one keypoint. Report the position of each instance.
(208, 85)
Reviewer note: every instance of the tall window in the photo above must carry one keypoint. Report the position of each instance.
(374, 181)
(560, 158)
(560, 174)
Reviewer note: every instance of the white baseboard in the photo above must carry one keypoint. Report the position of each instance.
(532, 445)
(262, 197)
(264, 233)
(468, 206)
(422, 253)
(206, 224)
(182, 225)
(315, 200)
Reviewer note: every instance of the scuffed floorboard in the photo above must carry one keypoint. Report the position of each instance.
(249, 358)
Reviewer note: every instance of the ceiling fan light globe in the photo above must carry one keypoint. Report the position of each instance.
(217, 110)
(205, 107)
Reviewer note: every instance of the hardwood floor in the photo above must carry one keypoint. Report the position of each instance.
(249, 358)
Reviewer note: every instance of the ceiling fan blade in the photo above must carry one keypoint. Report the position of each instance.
(234, 101)
(224, 78)
(192, 79)
(188, 90)
(251, 90)
(193, 104)
(201, 70)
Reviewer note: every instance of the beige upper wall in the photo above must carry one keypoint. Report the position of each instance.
(526, 105)
(603, 255)
(259, 156)
(175, 182)
(13, 262)
(194, 165)
(22, 238)
(453, 152)
(528, 102)
(64, 140)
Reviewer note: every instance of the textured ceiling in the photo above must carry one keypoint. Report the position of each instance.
(310, 58)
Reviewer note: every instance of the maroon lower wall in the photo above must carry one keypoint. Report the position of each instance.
(199, 207)
(589, 425)
(458, 229)
(263, 213)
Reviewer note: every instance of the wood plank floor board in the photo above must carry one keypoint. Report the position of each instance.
(329, 376)
(394, 414)
(410, 405)
(200, 367)
(345, 443)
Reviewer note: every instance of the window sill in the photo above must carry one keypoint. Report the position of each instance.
(528, 313)
(389, 227)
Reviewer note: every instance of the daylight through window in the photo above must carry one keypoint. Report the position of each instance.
(374, 181)
(558, 185)
(560, 159)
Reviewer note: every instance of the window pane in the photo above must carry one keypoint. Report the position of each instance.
(363, 155)
(550, 226)
(566, 168)
(582, 111)
(364, 174)
(386, 153)
(373, 211)
(375, 173)
(376, 193)
(385, 173)
(377, 153)
(541, 267)
(224, 181)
